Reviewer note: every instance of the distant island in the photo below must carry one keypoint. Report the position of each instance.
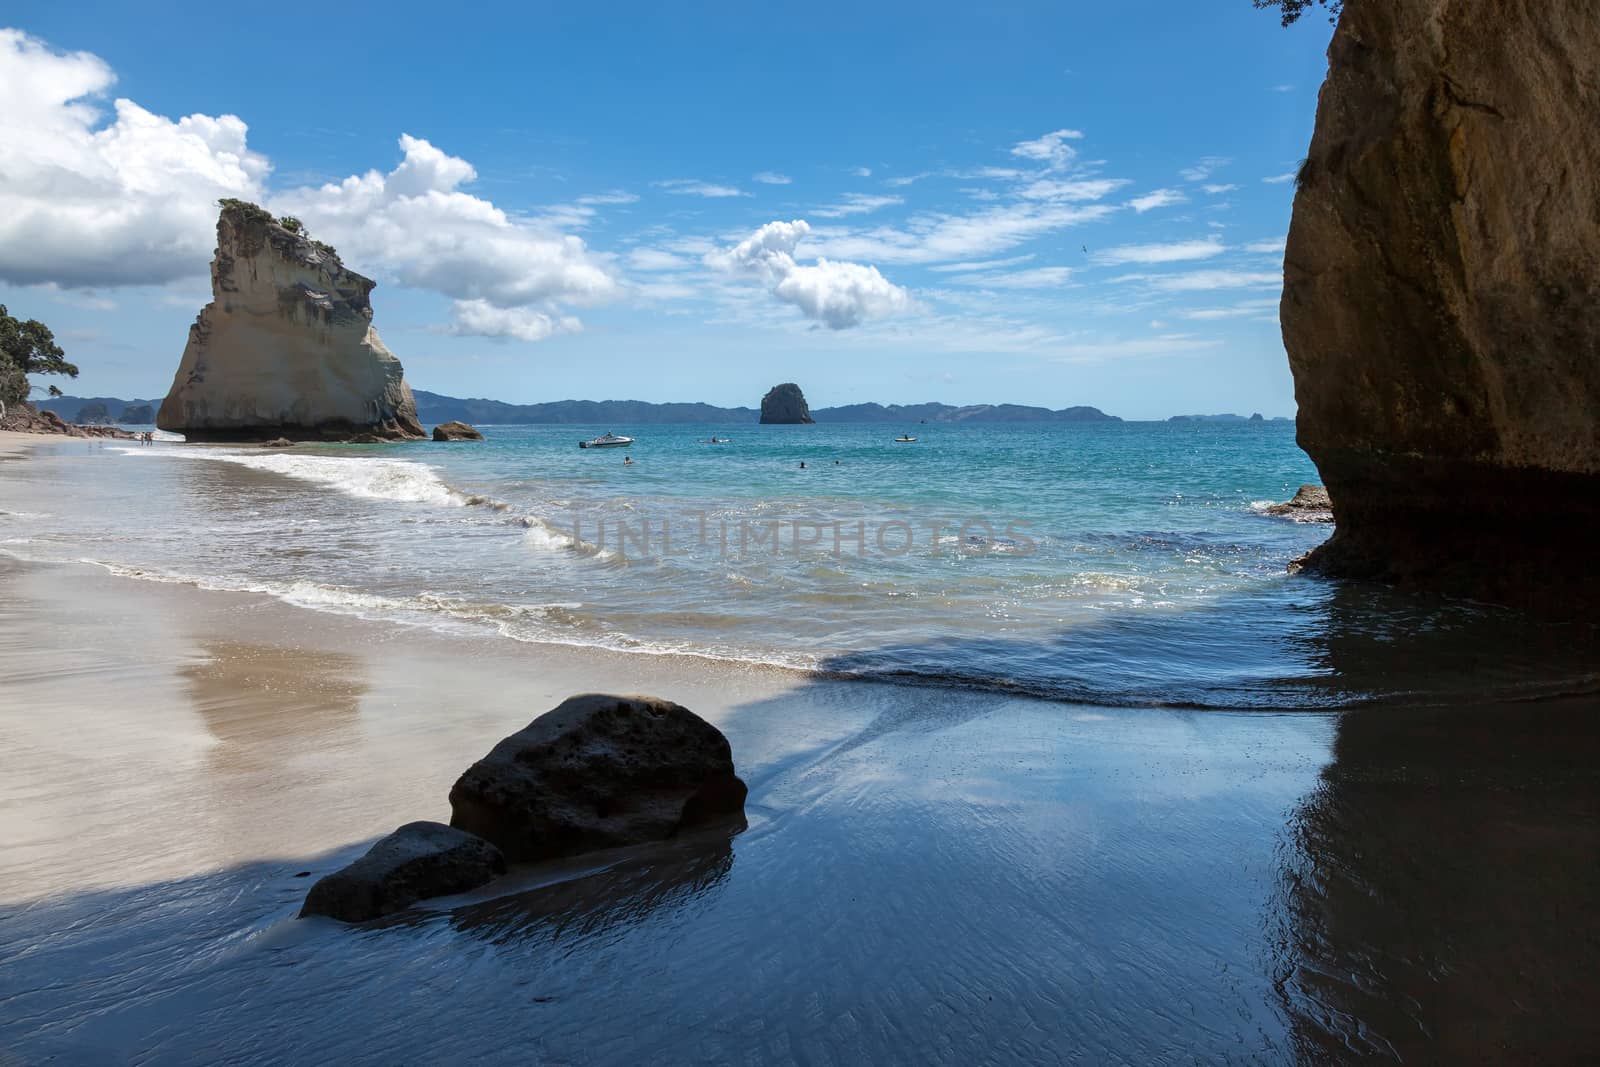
(436, 408)
(1257, 417)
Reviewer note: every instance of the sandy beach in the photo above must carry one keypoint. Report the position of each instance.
(929, 874)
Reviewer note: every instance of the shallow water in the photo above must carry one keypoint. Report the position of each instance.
(1119, 564)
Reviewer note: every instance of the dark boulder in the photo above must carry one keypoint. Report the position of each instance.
(599, 772)
(455, 431)
(785, 405)
(417, 861)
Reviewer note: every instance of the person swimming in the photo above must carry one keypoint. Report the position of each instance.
(802, 464)
(627, 461)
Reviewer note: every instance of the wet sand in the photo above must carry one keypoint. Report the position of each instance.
(929, 875)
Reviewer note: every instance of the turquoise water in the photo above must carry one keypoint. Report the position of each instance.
(1125, 563)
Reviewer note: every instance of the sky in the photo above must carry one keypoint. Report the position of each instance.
(1054, 203)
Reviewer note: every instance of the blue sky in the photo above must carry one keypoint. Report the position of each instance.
(1033, 203)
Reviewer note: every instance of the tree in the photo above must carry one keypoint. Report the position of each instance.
(1293, 9)
(292, 224)
(27, 348)
(95, 413)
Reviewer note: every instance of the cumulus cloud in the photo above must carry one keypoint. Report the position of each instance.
(1159, 198)
(1051, 149)
(862, 172)
(482, 319)
(1174, 252)
(771, 177)
(414, 224)
(89, 202)
(836, 293)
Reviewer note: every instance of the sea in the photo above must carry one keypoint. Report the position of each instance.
(1118, 563)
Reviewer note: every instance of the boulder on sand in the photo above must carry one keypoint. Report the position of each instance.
(419, 860)
(599, 772)
(455, 431)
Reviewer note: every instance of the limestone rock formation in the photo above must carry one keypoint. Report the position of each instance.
(1310, 504)
(286, 347)
(599, 772)
(455, 431)
(417, 861)
(785, 405)
(1441, 306)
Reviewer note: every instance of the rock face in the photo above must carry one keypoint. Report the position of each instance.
(455, 431)
(1310, 504)
(286, 347)
(417, 861)
(599, 772)
(785, 405)
(1441, 306)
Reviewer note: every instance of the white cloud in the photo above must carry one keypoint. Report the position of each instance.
(1081, 190)
(1175, 252)
(655, 259)
(990, 264)
(858, 204)
(1217, 190)
(479, 318)
(837, 294)
(414, 225)
(1204, 169)
(616, 196)
(1283, 88)
(907, 179)
(1037, 278)
(1200, 280)
(769, 177)
(87, 203)
(862, 172)
(1279, 179)
(1159, 198)
(1051, 149)
(943, 238)
(693, 187)
(1272, 246)
(1243, 309)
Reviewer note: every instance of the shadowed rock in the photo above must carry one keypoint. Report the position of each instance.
(417, 861)
(785, 405)
(1441, 304)
(599, 772)
(455, 431)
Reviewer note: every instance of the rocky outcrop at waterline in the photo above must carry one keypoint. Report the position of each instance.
(785, 405)
(286, 347)
(1310, 503)
(1441, 305)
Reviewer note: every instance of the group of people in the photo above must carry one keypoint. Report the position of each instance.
(147, 437)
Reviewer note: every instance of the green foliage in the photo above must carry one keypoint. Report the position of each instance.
(292, 224)
(1293, 9)
(27, 348)
(94, 413)
(251, 212)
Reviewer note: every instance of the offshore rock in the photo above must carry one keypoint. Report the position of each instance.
(455, 431)
(1310, 504)
(785, 405)
(417, 861)
(286, 347)
(597, 772)
(1441, 306)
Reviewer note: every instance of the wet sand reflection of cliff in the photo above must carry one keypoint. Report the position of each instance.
(1438, 888)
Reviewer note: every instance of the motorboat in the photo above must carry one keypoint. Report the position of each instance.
(904, 439)
(606, 440)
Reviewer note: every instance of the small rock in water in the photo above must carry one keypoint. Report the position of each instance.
(1310, 504)
(417, 861)
(599, 772)
(278, 442)
(455, 431)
